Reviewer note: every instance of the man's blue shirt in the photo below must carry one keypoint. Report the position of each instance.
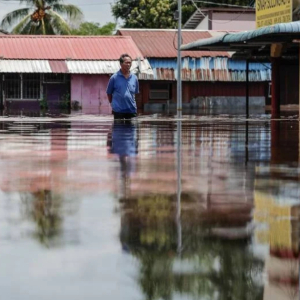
(123, 92)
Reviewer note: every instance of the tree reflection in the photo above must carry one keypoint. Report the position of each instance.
(44, 209)
(209, 267)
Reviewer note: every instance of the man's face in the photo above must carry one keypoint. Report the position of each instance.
(126, 65)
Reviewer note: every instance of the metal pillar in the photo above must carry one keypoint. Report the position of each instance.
(247, 143)
(179, 83)
(247, 88)
(275, 102)
(178, 214)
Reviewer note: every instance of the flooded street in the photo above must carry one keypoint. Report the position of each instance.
(92, 209)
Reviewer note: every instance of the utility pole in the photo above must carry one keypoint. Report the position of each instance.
(179, 83)
(179, 130)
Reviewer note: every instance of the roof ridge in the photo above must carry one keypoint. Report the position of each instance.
(63, 36)
(161, 30)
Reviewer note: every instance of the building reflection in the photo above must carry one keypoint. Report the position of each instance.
(215, 260)
(39, 153)
(277, 213)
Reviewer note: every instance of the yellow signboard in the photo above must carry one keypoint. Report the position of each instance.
(269, 12)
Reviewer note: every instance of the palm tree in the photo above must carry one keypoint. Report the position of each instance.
(42, 17)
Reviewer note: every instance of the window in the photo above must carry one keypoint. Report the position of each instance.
(31, 86)
(13, 86)
(22, 86)
(160, 91)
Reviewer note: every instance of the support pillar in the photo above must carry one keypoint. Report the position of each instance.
(247, 88)
(276, 52)
(275, 101)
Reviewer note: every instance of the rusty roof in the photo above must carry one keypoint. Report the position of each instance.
(67, 47)
(161, 43)
(58, 66)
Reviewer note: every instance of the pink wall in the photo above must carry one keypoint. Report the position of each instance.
(90, 92)
(233, 21)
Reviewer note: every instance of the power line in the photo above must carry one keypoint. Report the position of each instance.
(225, 22)
(223, 4)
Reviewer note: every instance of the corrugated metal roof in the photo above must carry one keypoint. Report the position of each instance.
(67, 47)
(25, 66)
(103, 67)
(204, 42)
(208, 69)
(288, 29)
(162, 43)
(71, 66)
(58, 66)
(208, 75)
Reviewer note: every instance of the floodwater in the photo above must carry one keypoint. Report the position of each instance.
(92, 209)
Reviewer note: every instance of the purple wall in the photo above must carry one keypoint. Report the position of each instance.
(90, 92)
(54, 93)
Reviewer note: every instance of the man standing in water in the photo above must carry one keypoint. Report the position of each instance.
(121, 90)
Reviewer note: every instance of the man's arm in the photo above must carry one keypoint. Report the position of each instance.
(137, 88)
(109, 96)
(110, 89)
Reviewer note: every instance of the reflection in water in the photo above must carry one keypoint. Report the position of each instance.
(277, 203)
(123, 142)
(277, 212)
(44, 209)
(207, 210)
(179, 165)
(207, 228)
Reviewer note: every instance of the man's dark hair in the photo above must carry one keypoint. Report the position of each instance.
(123, 56)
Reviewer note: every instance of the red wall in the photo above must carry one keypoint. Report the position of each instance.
(206, 89)
(230, 89)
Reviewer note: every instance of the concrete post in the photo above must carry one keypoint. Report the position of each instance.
(247, 88)
(275, 101)
(276, 51)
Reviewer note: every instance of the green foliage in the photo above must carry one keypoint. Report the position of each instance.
(43, 104)
(44, 209)
(146, 13)
(160, 13)
(207, 265)
(65, 101)
(42, 17)
(92, 28)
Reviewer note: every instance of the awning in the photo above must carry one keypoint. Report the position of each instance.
(71, 66)
(58, 66)
(257, 40)
(24, 66)
(105, 67)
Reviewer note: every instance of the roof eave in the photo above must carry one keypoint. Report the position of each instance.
(225, 42)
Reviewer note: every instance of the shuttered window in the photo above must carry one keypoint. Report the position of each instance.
(160, 91)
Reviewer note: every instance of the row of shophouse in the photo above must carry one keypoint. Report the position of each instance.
(36, 69)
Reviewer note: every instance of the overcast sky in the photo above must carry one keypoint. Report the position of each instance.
(93, 10)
